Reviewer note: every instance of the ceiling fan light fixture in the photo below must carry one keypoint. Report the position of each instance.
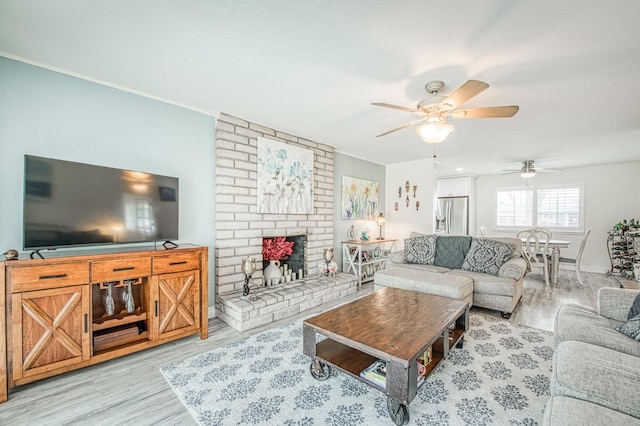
(435, 132)
(527, 170)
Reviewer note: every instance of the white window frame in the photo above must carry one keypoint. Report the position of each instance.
(534, 213)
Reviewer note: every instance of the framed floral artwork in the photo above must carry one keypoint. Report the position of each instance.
(285, 178)
(359, 198)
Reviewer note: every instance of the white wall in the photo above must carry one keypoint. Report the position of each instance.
(611, 193)
(48, 114)
(406, 219)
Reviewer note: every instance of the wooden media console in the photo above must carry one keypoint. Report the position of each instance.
(72, 311)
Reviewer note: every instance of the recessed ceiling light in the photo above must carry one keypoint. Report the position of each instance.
(459, 169)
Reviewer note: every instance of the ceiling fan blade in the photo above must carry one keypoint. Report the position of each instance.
(411, 123)
(462, 94)
(486, 112)
(401, 108)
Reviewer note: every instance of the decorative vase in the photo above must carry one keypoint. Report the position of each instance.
(272, 270)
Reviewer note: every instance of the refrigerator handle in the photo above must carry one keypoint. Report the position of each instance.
(447, 221)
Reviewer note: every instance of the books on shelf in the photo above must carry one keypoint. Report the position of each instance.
(376, 373)
(423, 361)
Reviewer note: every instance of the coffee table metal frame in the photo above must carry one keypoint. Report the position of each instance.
(347, 353)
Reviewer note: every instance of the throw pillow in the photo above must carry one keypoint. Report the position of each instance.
(631, 328)
(486, 256)
(635, 308)
(451, 251)
(420, 249)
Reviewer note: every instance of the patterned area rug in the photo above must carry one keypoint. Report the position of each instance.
(500, 377)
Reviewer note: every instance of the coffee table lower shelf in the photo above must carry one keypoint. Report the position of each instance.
(404, 381)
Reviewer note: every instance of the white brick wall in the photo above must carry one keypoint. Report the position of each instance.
(239, 229)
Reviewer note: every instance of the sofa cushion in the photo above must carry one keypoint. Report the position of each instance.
(596, 374)
(565, 411)
(420, 249)
(631, 328)
(486, 283)
(437, 284)
(486, 256)
(451, 251)
(583, 324)
(420, 267)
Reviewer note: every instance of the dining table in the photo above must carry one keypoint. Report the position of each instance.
(555, 246)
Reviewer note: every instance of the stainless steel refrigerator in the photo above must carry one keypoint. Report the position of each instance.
(452, 216)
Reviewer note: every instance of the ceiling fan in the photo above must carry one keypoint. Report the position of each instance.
(435, 110)
(528, 170)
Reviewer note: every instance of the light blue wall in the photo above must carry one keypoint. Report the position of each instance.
(345, 165)
(50, 114)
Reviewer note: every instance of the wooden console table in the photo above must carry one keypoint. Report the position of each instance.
(71, 311)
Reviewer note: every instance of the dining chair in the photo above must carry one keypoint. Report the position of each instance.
(483, 231)
(575, 263)
(535, 246)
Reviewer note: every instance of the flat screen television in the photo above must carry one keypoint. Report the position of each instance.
(69, 204)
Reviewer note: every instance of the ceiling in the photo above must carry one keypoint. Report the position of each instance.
(313, 68)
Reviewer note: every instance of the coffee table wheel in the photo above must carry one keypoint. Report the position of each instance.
(399, 413)
(460, 343)
(319, 370)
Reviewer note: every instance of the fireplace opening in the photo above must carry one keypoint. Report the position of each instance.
(295, 262)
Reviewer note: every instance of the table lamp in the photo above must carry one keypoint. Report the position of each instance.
(380, 220)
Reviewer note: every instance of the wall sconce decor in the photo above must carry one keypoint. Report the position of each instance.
(399, 192)
(407, 186)
(415, 188)
(396, 206)
(407, 200)
(417, 205)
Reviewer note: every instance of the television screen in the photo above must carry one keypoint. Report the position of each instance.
(72, 204)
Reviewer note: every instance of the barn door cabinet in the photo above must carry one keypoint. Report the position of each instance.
(65, 313)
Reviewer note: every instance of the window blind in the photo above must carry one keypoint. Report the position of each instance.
(514, 208)
(559, 207)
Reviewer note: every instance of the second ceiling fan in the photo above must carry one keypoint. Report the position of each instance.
(434, 111)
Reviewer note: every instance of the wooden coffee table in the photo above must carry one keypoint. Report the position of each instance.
(393, 325)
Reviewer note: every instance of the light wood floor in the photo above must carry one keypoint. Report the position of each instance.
(131, 390)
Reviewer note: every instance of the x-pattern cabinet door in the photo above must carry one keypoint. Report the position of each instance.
(176, 300)
(49, 329)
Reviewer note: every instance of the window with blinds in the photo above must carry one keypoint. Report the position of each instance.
(558, 208)
(514, 208)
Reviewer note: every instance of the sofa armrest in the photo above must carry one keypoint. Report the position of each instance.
(615, 303)
(513, 268)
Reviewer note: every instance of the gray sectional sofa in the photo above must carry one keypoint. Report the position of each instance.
(485, 272)
(595, 377)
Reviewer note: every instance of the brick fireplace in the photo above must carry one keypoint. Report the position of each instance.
(239, 229)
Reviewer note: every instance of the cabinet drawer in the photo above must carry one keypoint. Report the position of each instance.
(48, 276)
(120, 269)
(176, 263)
